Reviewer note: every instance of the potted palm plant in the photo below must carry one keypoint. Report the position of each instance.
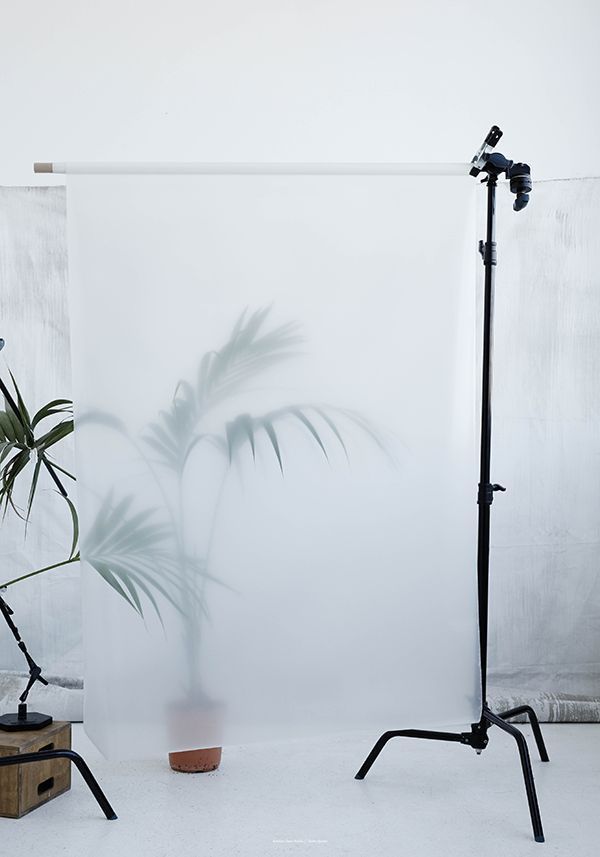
(148, 557)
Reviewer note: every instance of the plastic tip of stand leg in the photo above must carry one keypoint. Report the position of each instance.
(539, 839)
(114, 817)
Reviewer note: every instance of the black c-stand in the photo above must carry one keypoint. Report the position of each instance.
(493, 164)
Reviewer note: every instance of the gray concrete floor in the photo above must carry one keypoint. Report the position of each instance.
(300, 798)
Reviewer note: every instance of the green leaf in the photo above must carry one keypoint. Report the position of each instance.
(238, 431)
(184, 393)
(244, 427)
(306, 422)
(326, 418)
(369, 430)
(7, 426)
(270, 430)
(125, 578)
(23, 415)
(75, 523)
(34, 481)
(107, 520)
(134, 548)
(17, 425)
(56, 406)
(58, 432)
(203, 374)
(105, 572)
(247, 353)
(163, 436)
(101, 418)
(5, 449)
(137, 578)
(9, 475)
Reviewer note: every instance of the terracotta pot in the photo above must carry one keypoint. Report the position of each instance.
(196, 761)
(185, 718)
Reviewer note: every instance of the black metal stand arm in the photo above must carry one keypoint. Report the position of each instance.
(23, 719)
(520, 181)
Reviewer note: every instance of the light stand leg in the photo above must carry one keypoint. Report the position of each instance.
(535, 727)
(534, 810)
(404, 733)
(91, 781)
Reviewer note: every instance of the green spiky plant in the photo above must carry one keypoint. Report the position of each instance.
(143, 553)
(26, 440)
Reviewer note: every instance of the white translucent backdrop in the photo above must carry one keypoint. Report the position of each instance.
(340, 593)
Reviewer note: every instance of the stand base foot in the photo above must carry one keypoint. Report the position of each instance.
(32, 720)
(534, 810)
(478, 739)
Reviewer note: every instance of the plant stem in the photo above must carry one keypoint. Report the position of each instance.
(39, 571)
(211, 536)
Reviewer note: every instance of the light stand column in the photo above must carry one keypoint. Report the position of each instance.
(485, 493)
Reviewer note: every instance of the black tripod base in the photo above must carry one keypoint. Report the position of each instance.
(478, 739)
(18, 723)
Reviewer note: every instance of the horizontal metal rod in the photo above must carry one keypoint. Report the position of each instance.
(282, 169)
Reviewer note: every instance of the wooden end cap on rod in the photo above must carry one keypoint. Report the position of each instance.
(43, 167)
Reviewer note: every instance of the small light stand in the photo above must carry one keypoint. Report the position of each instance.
(493, 164)
(24, 720)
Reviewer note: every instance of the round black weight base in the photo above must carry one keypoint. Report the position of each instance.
(34, 720)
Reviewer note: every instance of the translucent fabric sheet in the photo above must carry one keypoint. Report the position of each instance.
(276, 451)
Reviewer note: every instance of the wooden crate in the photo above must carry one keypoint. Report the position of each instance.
(25, 787)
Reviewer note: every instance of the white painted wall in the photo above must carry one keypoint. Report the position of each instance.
(304, 80)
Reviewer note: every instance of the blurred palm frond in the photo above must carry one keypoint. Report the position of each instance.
(138, 555)
(246, 428)
(249, 351)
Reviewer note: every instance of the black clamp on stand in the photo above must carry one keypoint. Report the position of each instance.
(493, 164)
(23, 719)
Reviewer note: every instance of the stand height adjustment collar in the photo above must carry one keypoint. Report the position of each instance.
(488, 252)
(485, 493)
